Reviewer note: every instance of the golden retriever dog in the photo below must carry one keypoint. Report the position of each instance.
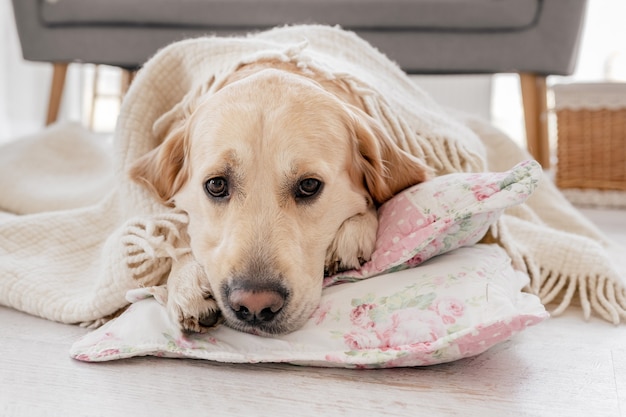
(281, 173)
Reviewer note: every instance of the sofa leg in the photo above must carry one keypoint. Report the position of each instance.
(126, 80)
(56, 91)
(534, 97)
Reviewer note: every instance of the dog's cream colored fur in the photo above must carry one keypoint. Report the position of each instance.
(270, 126)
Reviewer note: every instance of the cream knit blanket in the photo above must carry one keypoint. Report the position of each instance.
(75, 265)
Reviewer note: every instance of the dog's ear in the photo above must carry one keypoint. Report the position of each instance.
(386, 168)
(163, 170)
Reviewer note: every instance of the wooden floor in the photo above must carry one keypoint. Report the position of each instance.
(563, 367)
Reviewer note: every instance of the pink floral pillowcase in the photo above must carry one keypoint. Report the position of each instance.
(453, 306)
(440, 215)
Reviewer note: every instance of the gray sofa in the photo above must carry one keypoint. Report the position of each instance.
(534, 38)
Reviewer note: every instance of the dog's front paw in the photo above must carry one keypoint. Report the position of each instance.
(190, 302)
(353, 244)
(194, 314)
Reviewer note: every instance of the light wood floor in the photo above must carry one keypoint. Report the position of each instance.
(563, 367)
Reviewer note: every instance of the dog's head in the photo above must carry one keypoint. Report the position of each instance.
(280, 179)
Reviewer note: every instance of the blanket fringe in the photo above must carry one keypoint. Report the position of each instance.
(600, 291)
(151, 243)
(596, 294)
(441, 154)
(521, 258)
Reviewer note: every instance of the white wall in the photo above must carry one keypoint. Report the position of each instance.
(24, 86)
(603, 49)
(469, 93)
(19, 81)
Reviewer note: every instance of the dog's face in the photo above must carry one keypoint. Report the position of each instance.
(280, 179)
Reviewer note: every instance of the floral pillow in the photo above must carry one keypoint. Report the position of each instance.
(440, 215)
(453, 306)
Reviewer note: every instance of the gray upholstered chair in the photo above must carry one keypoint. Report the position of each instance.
(534, 38)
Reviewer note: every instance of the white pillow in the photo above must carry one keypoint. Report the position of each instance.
(454, 306)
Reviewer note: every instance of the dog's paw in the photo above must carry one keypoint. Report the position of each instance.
(194, 314)
(354, 243)
(190, 302)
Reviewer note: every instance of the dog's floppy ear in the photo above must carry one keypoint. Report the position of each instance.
(163, 170)
(386, 168)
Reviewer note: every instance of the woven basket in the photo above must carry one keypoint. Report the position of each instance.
(591, 126)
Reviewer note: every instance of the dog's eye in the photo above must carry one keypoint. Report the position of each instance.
(308, 188)
(217, 187)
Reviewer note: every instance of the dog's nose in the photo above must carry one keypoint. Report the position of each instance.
(255, 307)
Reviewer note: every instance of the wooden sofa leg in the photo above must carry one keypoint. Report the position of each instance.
(127, 79)
(56, 91)
(534, 97)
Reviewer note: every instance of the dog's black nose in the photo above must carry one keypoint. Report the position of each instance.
(256, 307)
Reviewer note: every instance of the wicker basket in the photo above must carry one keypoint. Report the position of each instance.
(591, 126)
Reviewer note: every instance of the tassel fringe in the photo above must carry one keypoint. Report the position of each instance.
(150, 245)
(599, 292)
